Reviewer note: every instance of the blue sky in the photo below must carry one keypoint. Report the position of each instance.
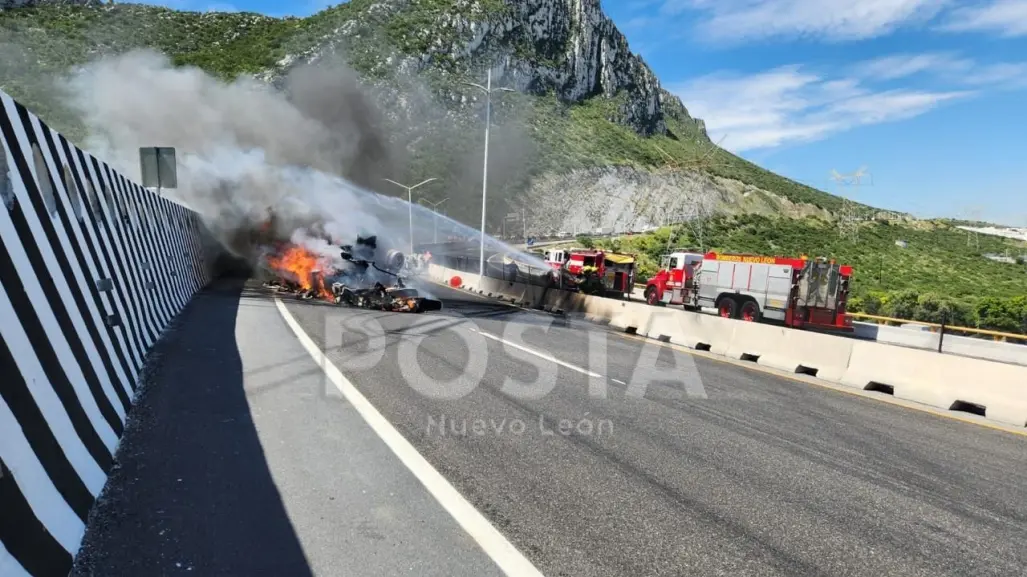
(930, 96)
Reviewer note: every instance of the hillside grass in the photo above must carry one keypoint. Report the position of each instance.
(938, 273)
(46, 41)
(582, 135)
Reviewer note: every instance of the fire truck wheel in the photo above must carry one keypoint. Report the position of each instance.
(750, 312)
(650, 296)
(727, 307)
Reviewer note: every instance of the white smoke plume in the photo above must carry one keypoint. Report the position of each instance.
(309, 149)
(243, 147)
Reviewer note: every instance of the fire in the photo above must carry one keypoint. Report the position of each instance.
(300, 265)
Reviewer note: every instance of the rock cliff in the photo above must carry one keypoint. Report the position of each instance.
(569, 48)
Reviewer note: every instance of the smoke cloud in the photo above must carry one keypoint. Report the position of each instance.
(309, 148)
(245, 147)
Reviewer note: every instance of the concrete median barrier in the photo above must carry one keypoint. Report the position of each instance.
(941, 380)
(931, 378)
(441, 274)
(688, 329)
(824, 356)
(629, 316)
(88, 291)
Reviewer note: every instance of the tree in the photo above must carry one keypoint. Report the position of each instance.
(873, 304)
(903, 305)
(1003, 314)
(932, 308)
(585, 241)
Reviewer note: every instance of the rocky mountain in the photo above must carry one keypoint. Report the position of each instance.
(566, 47)
(584, 108)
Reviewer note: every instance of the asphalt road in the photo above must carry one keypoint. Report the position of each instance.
(242, 460)
(729, 471)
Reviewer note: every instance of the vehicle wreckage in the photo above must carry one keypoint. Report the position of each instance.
(365, 283)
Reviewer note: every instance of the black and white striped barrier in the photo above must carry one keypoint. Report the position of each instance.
(93, 269)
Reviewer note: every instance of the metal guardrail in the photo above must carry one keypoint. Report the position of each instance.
(944, 328)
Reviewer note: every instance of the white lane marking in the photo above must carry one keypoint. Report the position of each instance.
(538, 354)
(496, 546)
(618, 381)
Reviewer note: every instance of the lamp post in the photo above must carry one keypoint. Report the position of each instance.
(487, 89)
(410, 205)
(435, 219)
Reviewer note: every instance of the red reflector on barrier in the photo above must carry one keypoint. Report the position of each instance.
(455, 282)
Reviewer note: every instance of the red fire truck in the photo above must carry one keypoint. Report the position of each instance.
(615, 271)
(801, 292)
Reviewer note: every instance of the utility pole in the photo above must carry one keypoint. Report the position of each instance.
(848, 224)
(435, 218)
(410, 205)
(487, 89)
(973, 214)
(699, 205)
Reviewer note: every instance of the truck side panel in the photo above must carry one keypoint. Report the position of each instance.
(741, 277)
(725, 275)
(779, 284)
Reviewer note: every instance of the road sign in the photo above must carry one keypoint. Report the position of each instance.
(158, 167)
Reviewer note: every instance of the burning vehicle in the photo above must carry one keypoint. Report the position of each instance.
(360, 277)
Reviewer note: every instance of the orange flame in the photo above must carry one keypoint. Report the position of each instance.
(299, 265)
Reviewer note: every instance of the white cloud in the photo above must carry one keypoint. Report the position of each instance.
(898, 66)
(789, 105)
(729, 20)
(1006, 17)
(1003, 74)
(945, 66)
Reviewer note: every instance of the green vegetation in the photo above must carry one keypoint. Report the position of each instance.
(937, 276)
(45, 41)
(582, 135)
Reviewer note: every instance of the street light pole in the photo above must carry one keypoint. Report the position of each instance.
(410, 205)
(487, 89)
(435, 219)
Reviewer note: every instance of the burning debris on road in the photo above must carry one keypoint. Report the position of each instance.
(355, 278)
(299, 272)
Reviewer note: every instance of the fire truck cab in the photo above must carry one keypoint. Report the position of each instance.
(797, 291)
(677, 273)
(556, 257)
(615, 271)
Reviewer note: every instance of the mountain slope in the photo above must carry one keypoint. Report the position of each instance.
(584, 102)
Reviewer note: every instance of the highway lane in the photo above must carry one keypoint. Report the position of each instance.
(241, 459)
(763, 476)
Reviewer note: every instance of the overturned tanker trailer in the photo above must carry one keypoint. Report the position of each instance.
(365, 281)
(379, 296)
